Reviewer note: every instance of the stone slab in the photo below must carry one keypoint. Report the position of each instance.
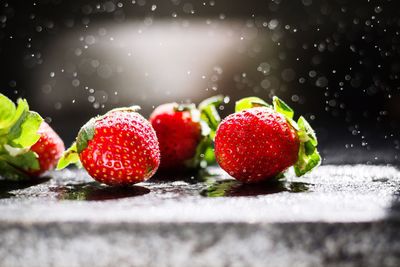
(336, 216)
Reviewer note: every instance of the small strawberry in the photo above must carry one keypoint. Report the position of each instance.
(178, 134)
(259, 142)
(185, 132)
(49, 149)
(28, 146)
(118, 148)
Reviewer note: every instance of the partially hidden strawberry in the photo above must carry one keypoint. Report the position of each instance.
(28, 145)
(185, 133)
(49, 149)
(259, 141)
(118, 148)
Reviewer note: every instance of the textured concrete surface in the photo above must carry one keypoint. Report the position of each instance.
(336, 216)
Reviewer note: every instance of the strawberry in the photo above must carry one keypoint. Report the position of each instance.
(28, 146)
(259, 142)
(178, 134)
(118, 148)
(49, 149)
(185, 133)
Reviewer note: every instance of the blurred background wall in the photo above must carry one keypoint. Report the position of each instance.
(336, 62)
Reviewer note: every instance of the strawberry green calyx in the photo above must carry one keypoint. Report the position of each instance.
(70, 156)
(308, 156)
(209, 112)
(18, 132)
(85, 134)
(250, 102)
(208, 116)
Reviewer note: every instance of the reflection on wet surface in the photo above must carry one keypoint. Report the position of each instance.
(94, 191)
(188, 176)
(232, 188)
(7, 186)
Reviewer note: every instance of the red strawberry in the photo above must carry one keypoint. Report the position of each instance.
(178, 134)
(49, 149)
(259, 142)
(184, 132)
(118, 148)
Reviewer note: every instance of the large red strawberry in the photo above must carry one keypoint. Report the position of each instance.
(28, 146)
(259, 142)
(185, 132)
(49, 149)
(118, 148)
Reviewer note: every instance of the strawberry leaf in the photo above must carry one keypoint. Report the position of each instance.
(209, 113)
(308, 157)
(24, 132)
(18, 132)
(202, 157)
(282, 107)
(250, 102)
(305, 132)
(10, 172)
(70, 156)
(26, 161)
(7, 112)
(85, 134)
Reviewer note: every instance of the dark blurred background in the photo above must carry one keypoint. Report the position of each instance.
(336, 62)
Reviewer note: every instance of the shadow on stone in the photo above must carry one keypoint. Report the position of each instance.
(6, 186)
(233, 188)
(94, 191)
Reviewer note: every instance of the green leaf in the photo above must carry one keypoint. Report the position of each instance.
(209, 156)
(209, 113)
(211, 101)
(209, 121)
(7, 112)
(10, 172)
(85, 134)
(15, 151)
(26, 161)
(282, 107)
(202, 152)
(306, 163)
(250, 102)
(24, 133)
(18, 132)
(70, 156)
(308, 157)
(306, 133)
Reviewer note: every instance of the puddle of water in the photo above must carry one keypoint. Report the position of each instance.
(233, 188)
(94, 191)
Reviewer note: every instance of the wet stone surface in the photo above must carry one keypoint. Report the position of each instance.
(335, 216)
